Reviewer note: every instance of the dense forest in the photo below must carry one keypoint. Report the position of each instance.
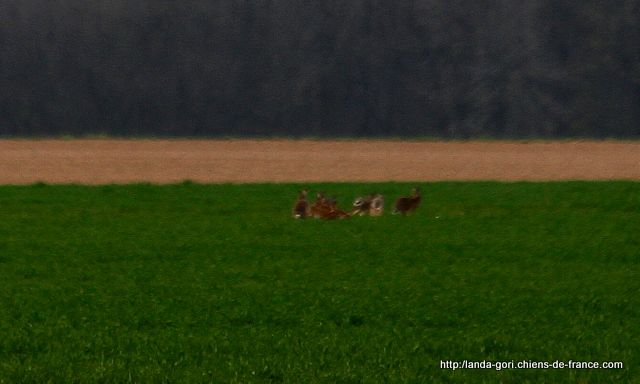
(433, 68)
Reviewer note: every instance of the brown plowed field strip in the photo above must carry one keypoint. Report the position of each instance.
(248, 161)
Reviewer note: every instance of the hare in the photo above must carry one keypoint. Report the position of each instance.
(301, 206)
(405, 205)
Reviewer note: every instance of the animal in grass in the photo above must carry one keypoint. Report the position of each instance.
(319, 205)
(377, 205)
(372, 205)
(326, 208)
(301, 206)
(408, 204)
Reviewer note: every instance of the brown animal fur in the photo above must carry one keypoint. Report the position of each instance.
(327, 209)
(405, 205)
(301, 206)
(319, 206)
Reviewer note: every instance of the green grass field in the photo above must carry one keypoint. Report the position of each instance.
(217, 283)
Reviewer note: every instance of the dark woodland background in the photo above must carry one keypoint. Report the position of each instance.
(433, 68)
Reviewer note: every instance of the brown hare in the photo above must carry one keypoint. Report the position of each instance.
(405, 205)
(301, 206)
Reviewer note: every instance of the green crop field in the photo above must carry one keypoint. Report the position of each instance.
(217, 283)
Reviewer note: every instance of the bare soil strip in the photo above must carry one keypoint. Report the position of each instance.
(250, 161)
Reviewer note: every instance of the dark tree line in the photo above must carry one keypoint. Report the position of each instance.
(443, 68)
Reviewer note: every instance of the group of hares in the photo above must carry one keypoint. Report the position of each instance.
(371, 205)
